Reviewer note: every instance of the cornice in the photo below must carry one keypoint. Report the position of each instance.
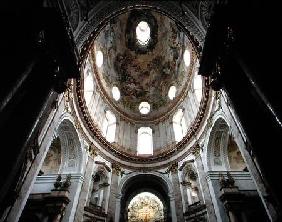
(118, 150)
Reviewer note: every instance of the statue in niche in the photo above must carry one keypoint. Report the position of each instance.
(95, 190)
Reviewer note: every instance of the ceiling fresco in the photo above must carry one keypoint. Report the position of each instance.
(145, 76)
(142, 73)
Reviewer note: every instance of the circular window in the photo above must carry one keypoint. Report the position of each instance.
(186, 57)
(144, 108)
(143, 33)
(116, 93)
(171, 92)
(99, 58)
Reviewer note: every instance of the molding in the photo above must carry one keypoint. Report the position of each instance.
(237, 175)
(119, 151)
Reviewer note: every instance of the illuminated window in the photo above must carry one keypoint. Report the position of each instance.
(116, 93)
(145, 141)
(99, 59)
(171, 92)
(198, 86)
(144, 108)
(88, 85)
(186, 57)
(143, 33)
(179, 125)
(109, 126)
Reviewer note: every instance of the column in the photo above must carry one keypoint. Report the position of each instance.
(85, 190)
(185, 195)
(204, 186)
(177, 192)
(26, 187)
(113, 192)
(118, 202)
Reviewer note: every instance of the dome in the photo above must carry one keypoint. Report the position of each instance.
(144, 53)
(143, 69)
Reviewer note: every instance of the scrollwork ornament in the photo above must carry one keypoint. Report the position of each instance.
(196, 151)
(186, 183)
(173, 168)
(116, 169)
(67, 100)
(92, 151)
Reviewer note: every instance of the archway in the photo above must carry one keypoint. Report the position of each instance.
(63, 161)
(145, 183)
(146, 207)
(71, 148)
(223, 153)
(228, 170)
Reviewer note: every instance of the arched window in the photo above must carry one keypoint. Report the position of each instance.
(198, 86)
(143, 33)
(186, 57)
(179, 125)
(109, 126)
(99, 58)
(88, 85)
(116, 93)
(145, 141)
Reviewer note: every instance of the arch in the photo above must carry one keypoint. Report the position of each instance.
(71, 148)
(135, 183)
(217, 145)
(223, 153)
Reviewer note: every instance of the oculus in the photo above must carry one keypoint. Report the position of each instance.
(144, 108)
(171, 92)
(143, 33)
(116, 93)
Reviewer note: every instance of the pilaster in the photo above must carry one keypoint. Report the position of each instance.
(177, 192)
(113, 192)
(204, 186)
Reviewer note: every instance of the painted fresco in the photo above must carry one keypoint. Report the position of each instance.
(142, 77)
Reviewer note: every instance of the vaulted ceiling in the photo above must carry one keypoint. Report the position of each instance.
(143, 73)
